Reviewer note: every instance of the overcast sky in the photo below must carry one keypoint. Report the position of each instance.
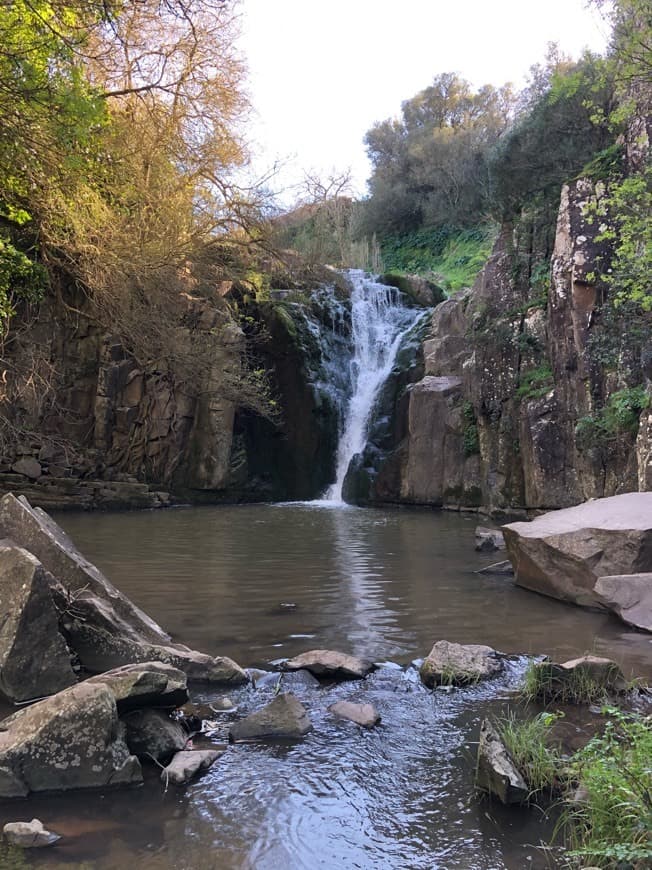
(321, 73)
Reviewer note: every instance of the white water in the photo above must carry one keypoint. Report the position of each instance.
(379, 320)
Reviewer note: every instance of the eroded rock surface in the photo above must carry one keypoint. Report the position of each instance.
(455, 664)
(331, 664)
(563, 553)
(284, 717)
(496, 773)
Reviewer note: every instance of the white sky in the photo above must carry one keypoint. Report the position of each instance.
(321, 73)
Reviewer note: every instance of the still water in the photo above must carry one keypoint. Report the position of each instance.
(265, 582)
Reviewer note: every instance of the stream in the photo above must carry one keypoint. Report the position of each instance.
(265, 582)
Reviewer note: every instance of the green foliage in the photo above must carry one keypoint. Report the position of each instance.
(528, 743)
(21, 279)
(471, 436)
(535, 383)
(620, 416)
(613, 823)
(542, 682)
(605, 165)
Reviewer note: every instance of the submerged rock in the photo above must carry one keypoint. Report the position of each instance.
(629, 596)
(456, 664)
(153, 734)
(498, 569)
(284, 717)
(34, 657)
(488, 540)
(563, 553)
(496, 773)
(29, 835)
(364, 715)
(329, 663)
(72, 740)
(187, 763)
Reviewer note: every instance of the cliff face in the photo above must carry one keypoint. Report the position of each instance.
(513, 386)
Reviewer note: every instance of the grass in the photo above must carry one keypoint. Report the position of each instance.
(527, 742)
(545, 682)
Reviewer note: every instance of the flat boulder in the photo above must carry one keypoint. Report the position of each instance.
(456, 664)
(72, 740)
(496, 773)
(563, 553)
(151, 684)
(629, 596)
(364, 715)
(284, 717)
(29, 835)
(330, 664)
(34, 658)
(188, 763)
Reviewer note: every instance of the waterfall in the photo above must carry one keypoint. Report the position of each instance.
(379, 320)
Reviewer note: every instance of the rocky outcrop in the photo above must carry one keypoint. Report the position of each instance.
(330, 664)
(71, 740)
(455, 664)
(496, 773)
(34, 658)
(629, 596)
(103, 627)
(285, 717)
(563, 553)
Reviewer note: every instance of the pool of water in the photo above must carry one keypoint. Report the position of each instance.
(265, 582)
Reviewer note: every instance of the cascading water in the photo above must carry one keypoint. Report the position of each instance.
(379, 320)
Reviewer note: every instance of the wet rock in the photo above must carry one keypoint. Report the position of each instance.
(71, 740)
(496, 772)
(364, 715)
(498, 569)
(187, 763)
(629, 596)
(563, 553)
(28, 466)
(289, 680)
(153, 734)
(223, 705)
(151, 684)
(29, 835)
(488, 540)
(34, 657)
(456, 664)
(284, 717)
(331, 664)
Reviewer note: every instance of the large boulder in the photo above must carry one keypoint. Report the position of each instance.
(456, 664)
(284, 717)
(496, 773)
(71, 740)
(629, 596)
(563, 553)
(103, 627)
(34, 657)
(330, 664)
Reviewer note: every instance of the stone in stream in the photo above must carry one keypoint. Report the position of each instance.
(456, 664)
(563, 553)
(498, 569)
(577, 679)
(34, 657)
(364, 715)
(289, 680)
(153, 734)
(284, 717)
(72, 740)
(103, 627)
(629, 596)
(187, 763)
(496, 773)
(331, 664)
(488, 540)
(29, 835)
(151, 684)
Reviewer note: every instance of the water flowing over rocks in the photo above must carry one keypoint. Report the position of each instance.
(285, 717)
(456, 664)
(330, 664)
(563, 553)
(496, 773)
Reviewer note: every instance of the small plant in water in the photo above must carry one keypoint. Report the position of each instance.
(545, 682)
(528, 743)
